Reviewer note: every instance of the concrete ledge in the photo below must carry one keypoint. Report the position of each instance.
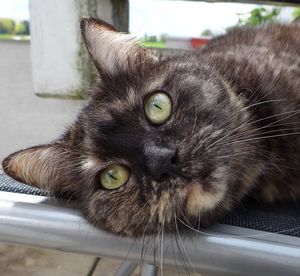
(14, 40)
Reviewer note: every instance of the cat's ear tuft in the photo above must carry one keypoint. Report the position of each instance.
(111, 50)
(51, 167)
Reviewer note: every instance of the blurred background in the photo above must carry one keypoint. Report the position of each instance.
(46, 75)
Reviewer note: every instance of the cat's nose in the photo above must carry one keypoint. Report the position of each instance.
(160, 161)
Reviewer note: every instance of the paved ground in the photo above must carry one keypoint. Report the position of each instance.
(16, 260)
(27, 120)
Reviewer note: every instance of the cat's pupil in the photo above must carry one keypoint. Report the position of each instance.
(111, 175)
(156, 105)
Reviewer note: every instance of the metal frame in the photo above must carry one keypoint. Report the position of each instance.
(47, 222)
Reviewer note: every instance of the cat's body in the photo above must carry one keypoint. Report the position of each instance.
(232, 130)
(262, 65)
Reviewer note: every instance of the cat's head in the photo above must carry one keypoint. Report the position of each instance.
(154, 142)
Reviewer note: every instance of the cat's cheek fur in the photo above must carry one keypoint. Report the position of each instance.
(198, 200)
(106, 210)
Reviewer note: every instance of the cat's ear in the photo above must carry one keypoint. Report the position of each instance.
(111, 50)
(53, 167)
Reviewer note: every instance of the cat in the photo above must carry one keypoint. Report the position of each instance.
(180, 137)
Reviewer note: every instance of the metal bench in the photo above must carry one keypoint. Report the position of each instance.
(255, 239)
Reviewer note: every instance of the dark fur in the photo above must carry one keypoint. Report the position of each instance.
(226, 98)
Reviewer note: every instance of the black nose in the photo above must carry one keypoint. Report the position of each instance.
(160, 161)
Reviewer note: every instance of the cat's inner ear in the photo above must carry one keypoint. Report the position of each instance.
(52, 167)
(110, 49)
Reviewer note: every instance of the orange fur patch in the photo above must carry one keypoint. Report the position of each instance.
(199, 200)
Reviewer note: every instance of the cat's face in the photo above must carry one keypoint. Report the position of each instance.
(153, 144)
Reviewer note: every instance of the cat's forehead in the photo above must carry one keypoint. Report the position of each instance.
(119, 101)
(169, 75)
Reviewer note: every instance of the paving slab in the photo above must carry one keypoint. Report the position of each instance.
(19, 260)
(108, 267)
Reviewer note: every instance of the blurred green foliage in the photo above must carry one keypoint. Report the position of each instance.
(153, 44)
(20, 28)
(259, 16)
(296, 13)
(7, 26)
(207, 32)
(152, 41)
(150, 38)
(26, 26)
(10, 26)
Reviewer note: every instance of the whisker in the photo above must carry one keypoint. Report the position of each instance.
(180, 253)
(195, 122)
(260, 133)
(162, 246)
(248, 107)
(174, 255)
(237, 236)
(180, 239)
(126, 256)
(265, 137)
(143, 251)
(264, 133)
(289, 113)
(236, 154)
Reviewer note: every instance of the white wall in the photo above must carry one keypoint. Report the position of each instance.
(60, 64)
(55, 43)
(178, 43)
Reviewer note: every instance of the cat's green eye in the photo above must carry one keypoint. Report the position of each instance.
(114, 176)
(158, 108)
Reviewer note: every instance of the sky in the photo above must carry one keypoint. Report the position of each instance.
(185, 18)
(17, 9)
(156, 17)
(181, 17)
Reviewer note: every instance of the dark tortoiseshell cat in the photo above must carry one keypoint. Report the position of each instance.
(178, 137)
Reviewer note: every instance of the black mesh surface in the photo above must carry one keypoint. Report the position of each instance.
(283, 218)
(9, 185)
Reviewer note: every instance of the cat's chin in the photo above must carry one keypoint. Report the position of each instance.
(199, 199)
